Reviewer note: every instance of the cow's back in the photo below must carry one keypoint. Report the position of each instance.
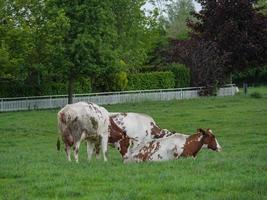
(136, 125)
(85, 116)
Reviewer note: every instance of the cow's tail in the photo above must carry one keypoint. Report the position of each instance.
(58, 144)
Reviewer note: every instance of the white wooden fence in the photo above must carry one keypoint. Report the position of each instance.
(57, 101)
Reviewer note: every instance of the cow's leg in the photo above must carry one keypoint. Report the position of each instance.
(76, 151)
(97, 151)
(90, 149)
(104, 145)
(67, 149)
(97, 147)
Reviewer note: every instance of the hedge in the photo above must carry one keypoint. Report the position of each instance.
(182, 75)
(11, 88)
(151, 80)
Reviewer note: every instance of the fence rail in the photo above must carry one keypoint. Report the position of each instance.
(57, 101)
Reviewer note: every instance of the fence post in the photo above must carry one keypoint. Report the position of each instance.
(245, 87)
(50, 102)
(2, 105)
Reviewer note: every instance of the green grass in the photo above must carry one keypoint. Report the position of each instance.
(31, 168)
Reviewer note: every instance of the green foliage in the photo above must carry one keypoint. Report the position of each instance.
(152, 80)
(120, 81)
(31, 167)
(263, 5)
(137, 33)
(252, 76)
(178, 12)
(43, 44)
(182, 75)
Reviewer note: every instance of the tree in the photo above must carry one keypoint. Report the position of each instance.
(137, 33)
(262, 5)
(29, 32)
(178, 12)
(237, 28)
(227, 36)
(88, 44)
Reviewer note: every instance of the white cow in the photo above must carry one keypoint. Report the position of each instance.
(172, 147)
(84, 121)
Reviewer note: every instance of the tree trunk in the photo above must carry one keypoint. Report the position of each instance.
(70, 89)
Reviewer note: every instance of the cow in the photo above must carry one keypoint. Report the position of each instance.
(138, 126)
(84, 121)
(172, 147)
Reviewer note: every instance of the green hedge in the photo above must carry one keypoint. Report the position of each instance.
(182, 75)
(152, 80)
(252, 76)
(13, 88)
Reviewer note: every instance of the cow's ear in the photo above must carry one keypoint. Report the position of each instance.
(201, 130)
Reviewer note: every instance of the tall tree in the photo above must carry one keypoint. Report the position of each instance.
(29, 30)
(237, 27)
(137, 33)
(178, 12)
(88, 44)
(262, 4)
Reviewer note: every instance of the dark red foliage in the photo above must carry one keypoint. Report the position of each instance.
(236, 27)
(228, 36)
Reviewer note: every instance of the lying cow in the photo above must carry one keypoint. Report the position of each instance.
(84, 121)
(172, 147)
(139, 126)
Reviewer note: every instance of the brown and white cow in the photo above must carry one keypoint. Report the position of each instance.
(139, 126)
(172, 147)
(84, 121)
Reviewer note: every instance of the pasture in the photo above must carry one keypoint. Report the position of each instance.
(31, 168)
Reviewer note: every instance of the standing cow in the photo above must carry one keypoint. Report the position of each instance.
(84, 121)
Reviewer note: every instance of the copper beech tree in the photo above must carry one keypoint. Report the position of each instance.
(227, 36)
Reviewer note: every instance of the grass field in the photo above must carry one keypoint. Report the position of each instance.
(31, 168)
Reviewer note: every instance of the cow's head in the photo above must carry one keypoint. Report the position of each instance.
(123, 145)
(209, 140)
(118, 138)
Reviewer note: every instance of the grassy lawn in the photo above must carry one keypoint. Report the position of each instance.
(31, 168)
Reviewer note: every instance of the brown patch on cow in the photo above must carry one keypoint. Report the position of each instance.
(156, 131)
(113, 136)
(193, 144)
(115, 132)
(62, 117)
(124, 144)
(146, 152)
(118, 135)
(67, 137)
(93, 107)
(94, 123)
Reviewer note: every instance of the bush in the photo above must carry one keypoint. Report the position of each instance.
(120, 81)
(152, 80)
(181, 73)
(252, 76)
